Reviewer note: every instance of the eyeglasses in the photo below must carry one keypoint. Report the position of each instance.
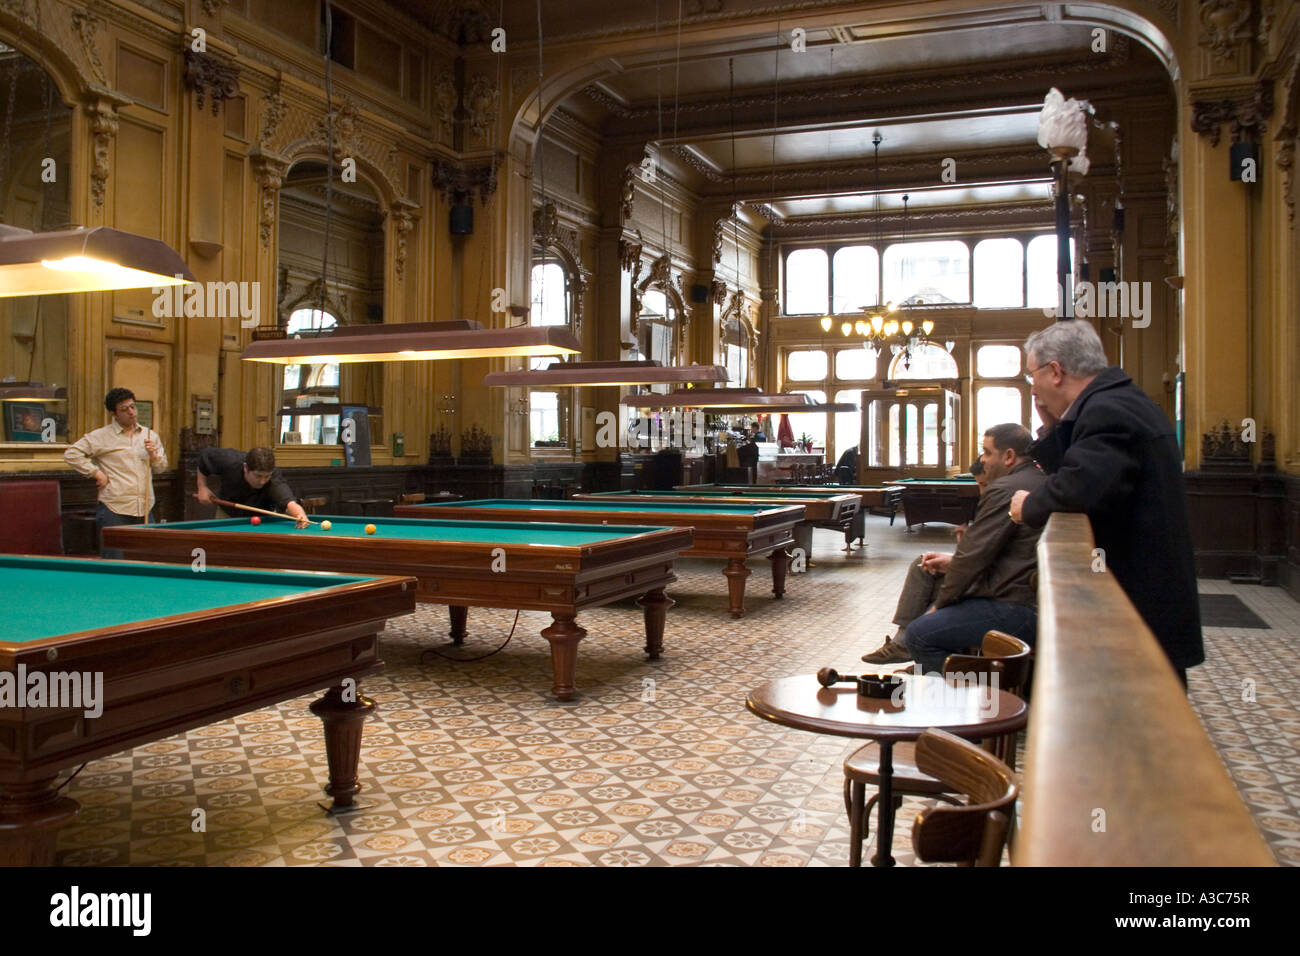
(1029, 375)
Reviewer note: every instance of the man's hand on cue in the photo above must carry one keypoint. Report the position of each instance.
(294, 510)
(1017, 502)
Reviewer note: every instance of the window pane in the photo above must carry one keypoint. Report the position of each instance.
(305, 385)
(550, 297)
(996, 405)
(1035, 420)
(544, 416)
(930, 435)
(856, 275)
(855, 364)
(806, 290)
(735, 362)
(812, 423)
(927, 273)
(997, 361)
(1040, 260)
(928, 361)
(999, 274)
(848, 425)
(806, 366)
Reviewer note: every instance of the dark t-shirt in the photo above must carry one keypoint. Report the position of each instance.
(228, 465)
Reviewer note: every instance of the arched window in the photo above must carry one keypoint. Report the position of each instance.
(927, 362)
(552, 304)
(309, 386)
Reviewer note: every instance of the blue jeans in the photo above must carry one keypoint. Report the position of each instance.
(106, 518)
(956, 628)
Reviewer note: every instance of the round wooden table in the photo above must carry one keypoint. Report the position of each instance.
(929, 701)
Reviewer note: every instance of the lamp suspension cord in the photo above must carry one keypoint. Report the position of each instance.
(47, 190)
(329, 159)
(541, 163)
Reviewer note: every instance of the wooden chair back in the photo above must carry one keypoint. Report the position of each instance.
(1008, 657)
(973, 834)
(417, 498)
(312, 505)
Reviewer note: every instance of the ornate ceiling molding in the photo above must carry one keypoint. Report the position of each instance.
(1287, 137)
(464, 22)
(937, 215)
(1247, 114)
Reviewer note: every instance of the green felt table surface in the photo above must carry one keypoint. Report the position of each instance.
(543, 505)
(537, 534)
(49, 597)
(772, 492)
(932, 481)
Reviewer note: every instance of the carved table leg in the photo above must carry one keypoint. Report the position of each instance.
(655, 604)
(343, 713)
(736, 573)
(780, 559)
(458, 616)
(31, 815)
(564, 635)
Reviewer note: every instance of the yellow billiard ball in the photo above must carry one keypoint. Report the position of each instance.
(325, 525)
(370, 529)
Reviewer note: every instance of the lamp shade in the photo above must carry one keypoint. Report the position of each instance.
(99, 259)
(728, 398)
(414, 342)
(609, 373)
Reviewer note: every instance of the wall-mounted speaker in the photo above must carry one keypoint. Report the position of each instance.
(699, 293)
(1244, 162)
(462, 219)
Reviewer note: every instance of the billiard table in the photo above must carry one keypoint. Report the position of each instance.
(822, 509)
(171, 648)
(459, 563)
(947, 500)
(879, 499)
(733, 532)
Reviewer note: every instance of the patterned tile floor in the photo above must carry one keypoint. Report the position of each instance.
(655, 763)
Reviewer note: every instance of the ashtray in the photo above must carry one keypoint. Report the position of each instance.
(879, 685)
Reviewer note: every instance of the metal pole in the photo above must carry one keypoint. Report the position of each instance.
(1064, 271)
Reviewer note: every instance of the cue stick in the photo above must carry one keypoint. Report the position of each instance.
(261, 511)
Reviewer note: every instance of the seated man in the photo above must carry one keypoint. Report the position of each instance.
(989, 581)
(846, 469)
(920, 588)
(250, 479)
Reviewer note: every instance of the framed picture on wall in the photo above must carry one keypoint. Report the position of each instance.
(144, 413)
(23, 421)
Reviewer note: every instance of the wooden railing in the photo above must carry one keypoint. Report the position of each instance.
(1118, 770)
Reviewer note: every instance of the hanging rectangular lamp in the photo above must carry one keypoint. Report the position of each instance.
(99, 259)
(740, 398)
(643, 372)
(413, 342)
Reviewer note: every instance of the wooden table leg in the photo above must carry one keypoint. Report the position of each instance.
(459, 615)
(564, 635)
(343, 711)
(655, 604)
(780, 559)
(31, 815)
(857, 797)
(885, 826)
(736, 573)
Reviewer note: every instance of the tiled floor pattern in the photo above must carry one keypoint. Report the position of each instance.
(656, 763)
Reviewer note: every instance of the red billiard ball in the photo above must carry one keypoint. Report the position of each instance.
(255, 520)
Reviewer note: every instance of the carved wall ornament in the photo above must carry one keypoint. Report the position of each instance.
(1224, 24)
(629, 254)
(481, 97)
(627, 189)
(272, 113)
(86, 22)
(212, 7)
(717, 292)
(445, 100)
(464, 21)
(476, 443)
(103, 129)
(457, 182)
(1223, 445)
(344, 120)
(661, 270)
(269, 171)
(1286, 137)
(403, 222)
(1246, 114)
(210, 77)
(1172, 228)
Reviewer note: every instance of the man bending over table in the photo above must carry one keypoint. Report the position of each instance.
(989, 581)
(920, 588)
(250, 479)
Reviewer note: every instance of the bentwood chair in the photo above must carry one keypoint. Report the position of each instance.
(974, 833)
(1003, 658)
(416, 498)
(313, 505)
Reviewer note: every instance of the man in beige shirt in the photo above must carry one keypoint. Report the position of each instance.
(122, 457)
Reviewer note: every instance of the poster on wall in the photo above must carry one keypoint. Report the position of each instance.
(356, 453)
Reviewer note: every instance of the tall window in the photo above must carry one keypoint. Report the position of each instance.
(813, 424)
(927, 273)
(548, 421)
(999, 274)
(309, 386)
(855, 278)
(735, 348)
(806, 289)
(1001, 394)
(1040, 264)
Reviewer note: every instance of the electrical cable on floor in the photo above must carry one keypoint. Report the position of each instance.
(72, 778)
(468, 660)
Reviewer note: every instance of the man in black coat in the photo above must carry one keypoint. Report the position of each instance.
(1112, 454)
